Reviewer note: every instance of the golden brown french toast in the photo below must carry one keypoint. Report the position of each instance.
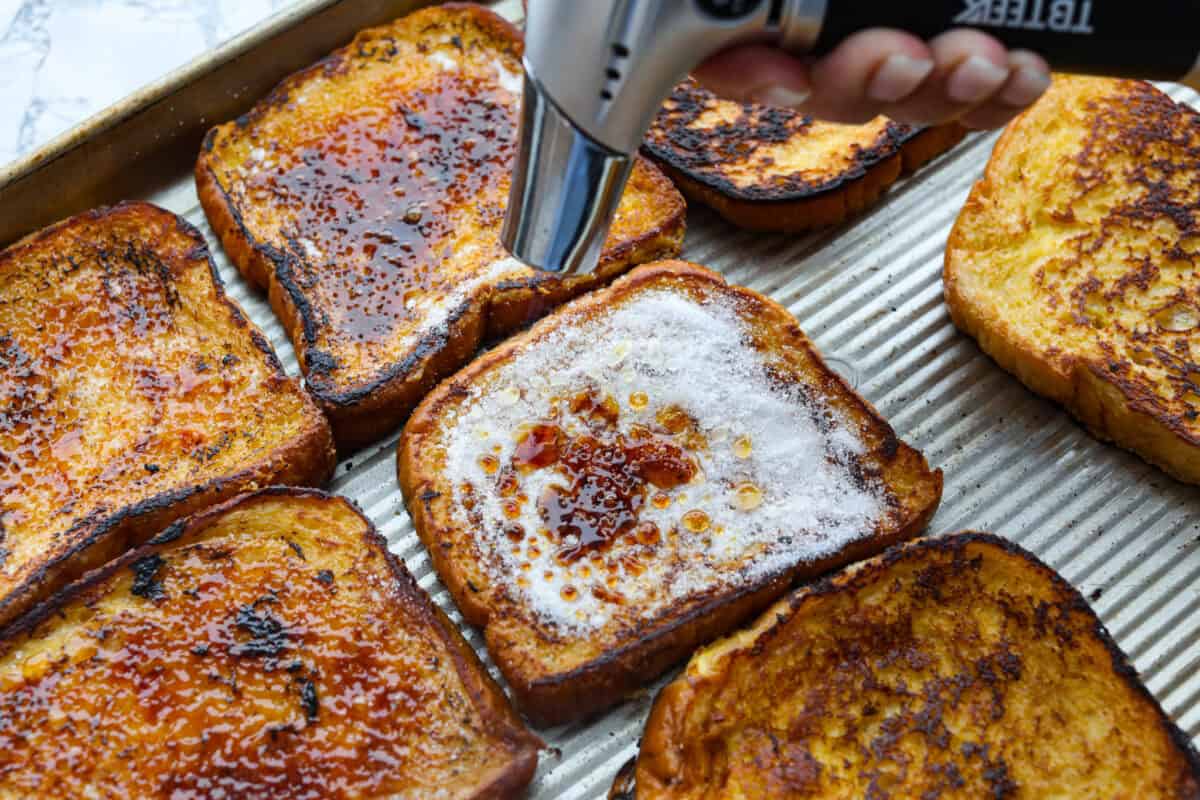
(638, 473)
(366, 193)
(269, 647)
(1073, 263)
(775, 169)
(959, 667)
(133, 391)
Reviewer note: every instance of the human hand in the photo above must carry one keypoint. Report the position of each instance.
(961, 75)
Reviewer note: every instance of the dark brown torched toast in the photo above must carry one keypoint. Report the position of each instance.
(269, 647)
(366, 195)
(640, 472)
(133, 391)
(774, 169)
(959, 667)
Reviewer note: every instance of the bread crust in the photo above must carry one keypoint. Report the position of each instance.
(486, 695)
(776, 201)
(1096, 388)
(364, 411)
(306, 458)
(661, 757)
(602, 681)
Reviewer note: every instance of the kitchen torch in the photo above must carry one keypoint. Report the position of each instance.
(596, 71)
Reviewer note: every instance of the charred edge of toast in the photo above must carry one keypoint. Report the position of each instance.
(654, 646)
(387, 397)
(485, 694)
(624, 785)
(314, 444)
(955, 545)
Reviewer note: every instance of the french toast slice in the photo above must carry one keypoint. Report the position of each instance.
(133, 391)
(1073, 263)
(266, 647)
(366, 194)
(638, 473)
(956, 667)
(766, 168)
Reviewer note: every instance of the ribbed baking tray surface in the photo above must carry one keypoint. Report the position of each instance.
(870, 295)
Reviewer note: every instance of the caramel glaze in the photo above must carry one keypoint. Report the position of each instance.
(273, 659)
(605, 475)
(374, 201)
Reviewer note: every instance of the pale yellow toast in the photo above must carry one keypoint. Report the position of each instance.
(133, 391)
(958, 667)
(1073, 263)
(774, 169)
(641, 471)
(269, 647)
(366, 194)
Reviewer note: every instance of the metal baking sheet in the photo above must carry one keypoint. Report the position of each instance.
(870, 295)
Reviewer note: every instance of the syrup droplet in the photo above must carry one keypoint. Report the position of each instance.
(514, 532)
(647, 533)
(674, 419)
(661, 500)
(489, 464)
(569, 593)
(512, 509)
(748, 496)
(538, 447)
(696, 521)
(1178, 318)
(742, 447)
(638, 400)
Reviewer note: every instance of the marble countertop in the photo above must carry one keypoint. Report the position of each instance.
(63, 60)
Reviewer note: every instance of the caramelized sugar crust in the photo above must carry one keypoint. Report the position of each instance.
(132, 390)
(267, 648)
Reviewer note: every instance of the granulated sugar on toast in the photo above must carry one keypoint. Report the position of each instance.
(639, 472)
(366, 195)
